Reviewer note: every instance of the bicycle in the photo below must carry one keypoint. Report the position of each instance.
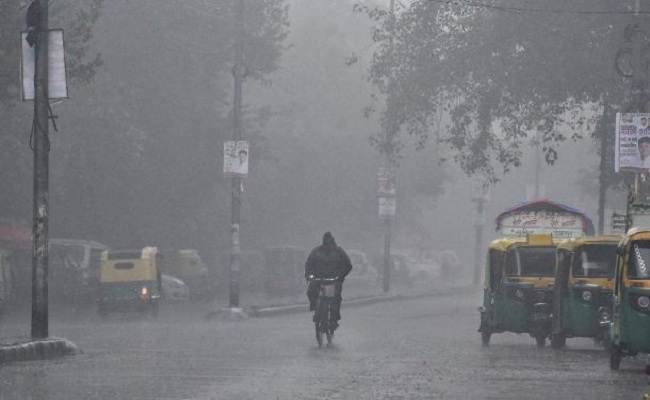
(322, 313)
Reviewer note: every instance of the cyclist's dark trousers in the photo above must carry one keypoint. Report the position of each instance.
(312, 295)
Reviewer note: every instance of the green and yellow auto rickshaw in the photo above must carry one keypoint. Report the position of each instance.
(629, 329)
(129, 280)
(519, 278)
(582, 294)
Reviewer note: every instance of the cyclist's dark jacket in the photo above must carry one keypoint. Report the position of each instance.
(328, 260)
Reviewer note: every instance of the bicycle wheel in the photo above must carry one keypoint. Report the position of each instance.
(319, 334)
(318, 321)
(327, 319)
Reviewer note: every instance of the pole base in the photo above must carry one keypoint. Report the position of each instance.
(230, 314)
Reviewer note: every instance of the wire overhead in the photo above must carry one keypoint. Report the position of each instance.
(536, 10)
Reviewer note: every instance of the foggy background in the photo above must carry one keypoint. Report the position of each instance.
(137, 159)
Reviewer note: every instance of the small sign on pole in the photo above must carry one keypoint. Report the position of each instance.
(57, 83)
(235, 159)
(387, 179)
(387, 207)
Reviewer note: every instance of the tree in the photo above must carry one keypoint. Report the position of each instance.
(499, 76)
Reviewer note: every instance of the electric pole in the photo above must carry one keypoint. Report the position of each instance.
(390, 134)
(41, 147)
(239, 73)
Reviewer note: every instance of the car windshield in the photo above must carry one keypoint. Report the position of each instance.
(595, 261)
(530, 261)
(639, 265)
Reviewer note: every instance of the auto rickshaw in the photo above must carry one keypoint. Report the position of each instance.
(582, 294)
(629, 328)
(129, 280)
(187, 266)
(519, 278)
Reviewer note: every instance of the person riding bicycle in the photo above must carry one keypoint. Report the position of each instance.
(327, 261)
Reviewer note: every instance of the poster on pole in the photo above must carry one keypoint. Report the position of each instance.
(57, 84)
(387, 180)
(387, 207)
(632, 152)
(235, 159)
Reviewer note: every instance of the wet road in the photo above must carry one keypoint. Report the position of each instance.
(411, 349)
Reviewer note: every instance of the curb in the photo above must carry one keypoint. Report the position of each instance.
(31, 350)
(359, 301)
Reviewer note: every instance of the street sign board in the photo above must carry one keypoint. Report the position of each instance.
(235, 159)
(387, 207)
(57, 84)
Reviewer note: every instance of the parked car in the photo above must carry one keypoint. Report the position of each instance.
(174, 289)
(362, 269)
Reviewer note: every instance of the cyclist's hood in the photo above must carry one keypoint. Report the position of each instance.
(328, 240)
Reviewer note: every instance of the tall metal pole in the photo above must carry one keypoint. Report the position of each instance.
(479, 222)
(41, 172)
(239, 72)
(386, 282)
(389, 150)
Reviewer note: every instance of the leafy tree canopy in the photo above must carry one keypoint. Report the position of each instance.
(485, 80)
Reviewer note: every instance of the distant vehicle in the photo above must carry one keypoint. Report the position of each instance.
(130, 280)
(361, 267)
(174, 289)
(74, 268)
(187, 266)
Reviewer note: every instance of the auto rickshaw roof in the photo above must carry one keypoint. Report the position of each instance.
(126, 254)
(505, 243)
(636, 234)
(573, 243)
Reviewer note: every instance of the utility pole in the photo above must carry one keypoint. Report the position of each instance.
(389, 152)
(41, 171)
(239, 73)
(480, 198)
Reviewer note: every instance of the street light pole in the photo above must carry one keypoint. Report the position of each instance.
(41, 172)
(480, 197)
(390, 133)
(239, 73)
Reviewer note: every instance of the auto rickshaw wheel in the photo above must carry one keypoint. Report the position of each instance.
(485, 338)
(614, 357)
(558, 340)
(540, 340)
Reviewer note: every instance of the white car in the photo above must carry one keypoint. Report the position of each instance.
(174, 289)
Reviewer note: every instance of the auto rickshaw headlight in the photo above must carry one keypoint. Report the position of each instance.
(586, 295)
(519, 293)
(643, 302)
(603, 315)
(144, 292)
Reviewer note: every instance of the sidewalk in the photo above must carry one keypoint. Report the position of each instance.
(27, 349)
(354, 293)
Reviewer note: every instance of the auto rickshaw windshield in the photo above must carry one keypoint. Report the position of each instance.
(595, 261)
(530, 261)
(639, 263)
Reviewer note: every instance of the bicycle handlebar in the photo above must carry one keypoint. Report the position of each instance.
(311, 278)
